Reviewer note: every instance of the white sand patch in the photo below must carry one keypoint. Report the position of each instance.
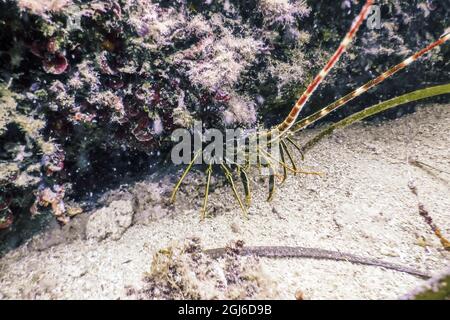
(362, 205)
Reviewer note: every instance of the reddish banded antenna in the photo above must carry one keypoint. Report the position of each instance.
(372, 83)
(290, 119)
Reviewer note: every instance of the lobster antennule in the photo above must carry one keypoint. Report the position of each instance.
(290, 119)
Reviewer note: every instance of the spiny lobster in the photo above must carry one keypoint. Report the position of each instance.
(283, 133)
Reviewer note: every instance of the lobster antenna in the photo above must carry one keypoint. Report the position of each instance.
(290, 119)
(372, 83)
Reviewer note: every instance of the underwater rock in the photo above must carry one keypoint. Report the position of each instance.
(110, 222)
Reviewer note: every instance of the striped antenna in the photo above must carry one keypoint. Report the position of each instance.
(372, 83)
(290, 119)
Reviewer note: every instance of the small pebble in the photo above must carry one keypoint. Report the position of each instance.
(299, 295)
(235, 227)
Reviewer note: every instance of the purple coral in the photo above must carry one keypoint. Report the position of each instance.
(56, 65)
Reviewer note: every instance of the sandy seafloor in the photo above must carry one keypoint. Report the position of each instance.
(361, 205)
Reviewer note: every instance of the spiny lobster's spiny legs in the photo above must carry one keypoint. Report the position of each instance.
(296, 146)
(281, 162)
(267, 163)
(272, 172)
(300, 150)
(205, 200)
(229, 177)
(242, 172)
(186, 171)
(372, 83)
(271, 183)
(288, 152)
(284, 165)
(272, 163)
(290, 119)
(246, 184)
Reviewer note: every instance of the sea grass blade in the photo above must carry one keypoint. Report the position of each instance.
(392, 103)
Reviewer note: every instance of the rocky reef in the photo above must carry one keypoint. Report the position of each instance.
(94, 89)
